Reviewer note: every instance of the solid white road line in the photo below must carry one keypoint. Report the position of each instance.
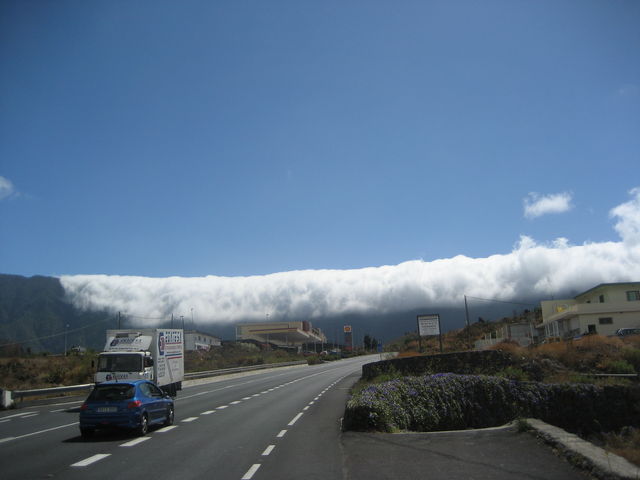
(29, 416)
(268, 450)
(2, 440)
(251, 472)
(135, 442)
(18, 415)
(90, 460)
(295, 419)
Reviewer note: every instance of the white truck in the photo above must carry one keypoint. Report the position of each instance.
(152, 353)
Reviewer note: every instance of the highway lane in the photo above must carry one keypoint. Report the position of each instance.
(276, 424)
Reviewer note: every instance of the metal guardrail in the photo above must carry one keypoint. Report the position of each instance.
(225, 371)
(50, 391)
(21, 394)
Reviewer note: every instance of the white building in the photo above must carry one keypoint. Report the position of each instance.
(522, 333)
(195, 340)
(602, 309)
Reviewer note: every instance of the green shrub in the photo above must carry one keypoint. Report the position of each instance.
(447, 401)
(618, 366)
(632, 355)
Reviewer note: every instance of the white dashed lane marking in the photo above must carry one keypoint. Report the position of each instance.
(251, 472)
(90, 460)
(135, 442)
(190, 419)
(166, 429)
(268, 450)
(295, 419)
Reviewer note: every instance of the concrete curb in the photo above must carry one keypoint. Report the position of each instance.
(599, 462)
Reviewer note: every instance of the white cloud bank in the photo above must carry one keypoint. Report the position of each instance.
(536, 205)
(530, 270)
(6, 188)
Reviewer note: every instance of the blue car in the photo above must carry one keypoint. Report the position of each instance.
(133, 405)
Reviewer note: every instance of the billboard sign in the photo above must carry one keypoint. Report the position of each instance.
(428, 325)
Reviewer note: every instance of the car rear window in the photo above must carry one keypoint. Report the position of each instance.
(112, 392)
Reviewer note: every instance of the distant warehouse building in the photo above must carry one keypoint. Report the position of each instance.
(281, 333)
(604, 309)
(195, 340)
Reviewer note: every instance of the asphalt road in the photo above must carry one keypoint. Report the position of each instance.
(277, 424)
(280, 424)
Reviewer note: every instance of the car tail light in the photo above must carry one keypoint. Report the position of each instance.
(134, 404)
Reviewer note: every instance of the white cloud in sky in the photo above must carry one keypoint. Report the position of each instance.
(530, 270)
(536, 205)
(628, 215)
(6, 188)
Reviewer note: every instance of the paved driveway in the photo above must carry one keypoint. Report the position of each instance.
(492, 454)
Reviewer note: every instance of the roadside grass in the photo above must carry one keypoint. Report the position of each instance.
(625, 443)
(46, 371)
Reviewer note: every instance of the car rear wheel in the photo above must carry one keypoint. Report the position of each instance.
(169, 420)
(143, 429)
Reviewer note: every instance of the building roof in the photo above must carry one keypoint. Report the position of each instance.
(199, 332)
(605, 285)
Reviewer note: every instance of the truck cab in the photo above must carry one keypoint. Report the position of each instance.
(124, 366)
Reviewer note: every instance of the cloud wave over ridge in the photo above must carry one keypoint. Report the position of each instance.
(530, 271)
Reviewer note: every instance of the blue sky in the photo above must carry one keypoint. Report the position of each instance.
(235, 138)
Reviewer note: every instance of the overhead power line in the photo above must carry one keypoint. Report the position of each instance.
(502, 301)
(66, 332)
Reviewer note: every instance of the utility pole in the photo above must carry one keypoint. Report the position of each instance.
(466, 309)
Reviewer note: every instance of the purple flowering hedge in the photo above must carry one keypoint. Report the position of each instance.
(446, 401)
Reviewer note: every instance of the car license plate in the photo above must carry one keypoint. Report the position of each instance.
(106, 409)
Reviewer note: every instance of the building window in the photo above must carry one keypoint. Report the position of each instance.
(601, 298)
(633, 296)
(605, 321)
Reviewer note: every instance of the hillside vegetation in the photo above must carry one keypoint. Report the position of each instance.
(36, 309)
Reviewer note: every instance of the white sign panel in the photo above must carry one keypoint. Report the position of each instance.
(428, 325)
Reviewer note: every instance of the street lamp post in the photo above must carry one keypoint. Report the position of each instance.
(66, 327)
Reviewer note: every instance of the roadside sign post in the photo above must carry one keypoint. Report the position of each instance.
(429, 325)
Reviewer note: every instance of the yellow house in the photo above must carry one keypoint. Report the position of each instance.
(603, 309)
